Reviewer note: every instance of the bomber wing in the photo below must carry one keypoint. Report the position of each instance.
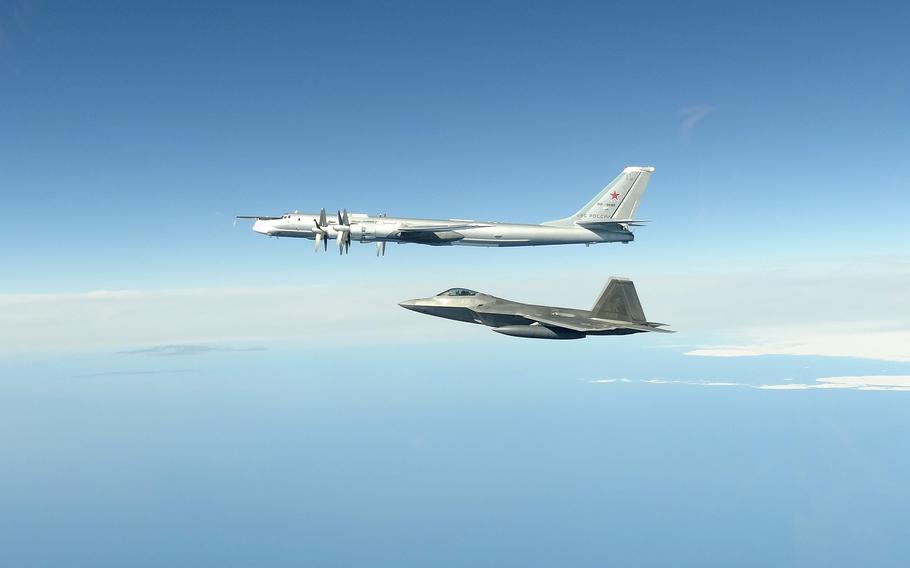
(404, 228)
(438, 234)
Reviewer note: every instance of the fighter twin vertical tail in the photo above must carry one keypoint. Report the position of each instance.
(619, 302)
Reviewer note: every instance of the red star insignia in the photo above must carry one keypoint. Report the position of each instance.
(614, 195)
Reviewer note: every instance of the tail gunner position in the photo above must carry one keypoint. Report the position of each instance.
(607, 218)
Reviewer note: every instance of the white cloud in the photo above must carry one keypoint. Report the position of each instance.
(833, 308)
(805, 307)
(692, 115)
(802, 386)
(858, 383)
(824, 341)
(870, 381)
(727, 352)
(316, 315)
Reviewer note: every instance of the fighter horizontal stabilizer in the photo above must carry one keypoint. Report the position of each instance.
(648, 326)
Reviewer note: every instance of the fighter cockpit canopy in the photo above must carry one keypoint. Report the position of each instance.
(458, 292)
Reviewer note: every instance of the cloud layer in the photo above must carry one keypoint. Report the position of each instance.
(857, 382)
(796, 308)
(184, 349)
(172, 322)
(878, 344)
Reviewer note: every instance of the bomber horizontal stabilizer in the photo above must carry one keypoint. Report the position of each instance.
(627, 222)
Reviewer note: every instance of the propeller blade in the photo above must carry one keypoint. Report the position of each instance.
(346, 220)
(322, 217)
(318, 238)
(325, 244)
(380, 248)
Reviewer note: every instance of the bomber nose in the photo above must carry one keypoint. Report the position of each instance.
(261, 227)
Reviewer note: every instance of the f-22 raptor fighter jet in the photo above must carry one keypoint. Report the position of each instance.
(616, 312)
(607, 218)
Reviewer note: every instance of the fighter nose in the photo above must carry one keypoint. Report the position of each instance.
(409, 305)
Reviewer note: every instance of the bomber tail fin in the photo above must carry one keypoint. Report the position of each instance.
(616, 203)
(619, 302)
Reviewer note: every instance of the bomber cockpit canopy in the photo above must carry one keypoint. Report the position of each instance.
(458, 292)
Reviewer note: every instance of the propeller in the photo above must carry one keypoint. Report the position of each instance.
(380, 248)
(321, 233)
(343, 232)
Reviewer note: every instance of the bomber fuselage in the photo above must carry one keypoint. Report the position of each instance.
(365, 228)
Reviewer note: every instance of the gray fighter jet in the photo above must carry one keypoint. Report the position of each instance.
(616, 312)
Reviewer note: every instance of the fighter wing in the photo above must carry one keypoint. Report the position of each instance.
(568, 322)
(590, 324)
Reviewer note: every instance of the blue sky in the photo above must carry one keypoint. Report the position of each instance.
(165, 122)
(201, 385)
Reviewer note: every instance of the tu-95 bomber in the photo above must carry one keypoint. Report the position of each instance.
(607, 218)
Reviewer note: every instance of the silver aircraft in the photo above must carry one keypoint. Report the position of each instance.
(607, 218)
(616, 312)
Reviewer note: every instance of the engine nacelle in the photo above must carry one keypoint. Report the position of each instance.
(538, 332)
(366, 232)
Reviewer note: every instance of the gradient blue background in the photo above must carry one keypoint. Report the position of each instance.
(131, 134)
